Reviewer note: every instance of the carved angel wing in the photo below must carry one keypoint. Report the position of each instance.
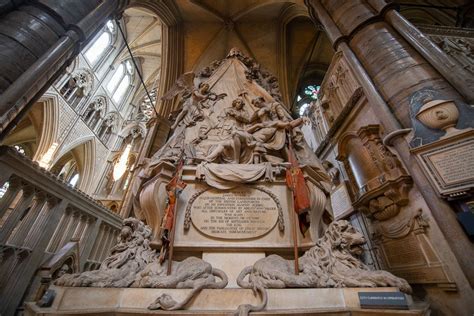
(185, 83)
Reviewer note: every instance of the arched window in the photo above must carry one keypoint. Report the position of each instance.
(121, 89)
(114, 81)
(97, 50)
(312, 91)
(308, 94)
(94, 112)
(119, 84)
(107, 127)
(77, 87)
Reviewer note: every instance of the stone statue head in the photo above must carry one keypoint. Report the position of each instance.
(342, 235)
(203, 87)
(238, 104)
(258, 102)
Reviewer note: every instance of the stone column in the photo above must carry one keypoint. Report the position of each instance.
(12, 294)
(58, 234)
(39, 225)
(18, 238)
(390, 70)
(89, 241)
(456, 75)
(16, 214)
(38, 40)
(95, 249)
(10, 194)
(69, 230)
(101, 246)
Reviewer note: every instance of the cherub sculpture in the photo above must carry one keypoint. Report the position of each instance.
(195, 100)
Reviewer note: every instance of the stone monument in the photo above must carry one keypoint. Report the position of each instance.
(235, 192)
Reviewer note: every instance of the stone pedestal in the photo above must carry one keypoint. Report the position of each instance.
(232, 263)
(129, 301)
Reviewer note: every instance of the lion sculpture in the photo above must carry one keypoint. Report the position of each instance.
(133, 263)
(130, 256)
(332, 262)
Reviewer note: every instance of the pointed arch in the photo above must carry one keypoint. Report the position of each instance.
(82, 150)
(50, 124)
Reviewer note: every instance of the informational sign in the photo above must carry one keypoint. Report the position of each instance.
(383, 300)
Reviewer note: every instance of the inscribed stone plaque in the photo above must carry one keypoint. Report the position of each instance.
(454, 164)
(403, 252)
(340, 201)
(449, 163)
(237, 214)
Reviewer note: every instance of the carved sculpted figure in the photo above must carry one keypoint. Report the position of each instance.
(133, 263)
(332, 262)
(192, 107)
(237, 145)
(128, 257)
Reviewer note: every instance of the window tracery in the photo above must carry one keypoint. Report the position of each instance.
(120, 82)
(99, 47)
(94, 112)
(78, 86)
(308, 94)
(107, 127)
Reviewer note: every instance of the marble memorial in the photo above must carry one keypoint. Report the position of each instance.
(236, 175)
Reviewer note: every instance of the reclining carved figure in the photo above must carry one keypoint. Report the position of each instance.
(130, 256)
(133, 263)
(332, 262)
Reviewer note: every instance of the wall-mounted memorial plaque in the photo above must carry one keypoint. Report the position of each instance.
(449, 163)
(240, 213)
(341, 202)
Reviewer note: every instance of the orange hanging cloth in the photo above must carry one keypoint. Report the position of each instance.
(173, 188)
(296, 182)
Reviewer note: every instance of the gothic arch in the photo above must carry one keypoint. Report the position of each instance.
(82, 150)
(50, 124)
(77, 86)
(95, 111)
(172, 54)
(430, 17)
(109, 125)
(288, 14)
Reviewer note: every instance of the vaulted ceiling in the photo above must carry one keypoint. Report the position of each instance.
(143, 32)
(278, 34)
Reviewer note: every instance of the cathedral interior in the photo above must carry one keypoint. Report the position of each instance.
(181, 145)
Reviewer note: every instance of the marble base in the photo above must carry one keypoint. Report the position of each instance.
(133, 301)
(232, 263)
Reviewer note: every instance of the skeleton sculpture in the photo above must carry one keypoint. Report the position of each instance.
(134, 264)
(332, 262)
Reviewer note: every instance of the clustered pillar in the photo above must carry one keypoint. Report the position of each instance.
(391, 69)
(38, 39)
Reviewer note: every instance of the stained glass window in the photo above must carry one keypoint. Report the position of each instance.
(312, 91)
(110, 26)
(129, 66)
(74, 180)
